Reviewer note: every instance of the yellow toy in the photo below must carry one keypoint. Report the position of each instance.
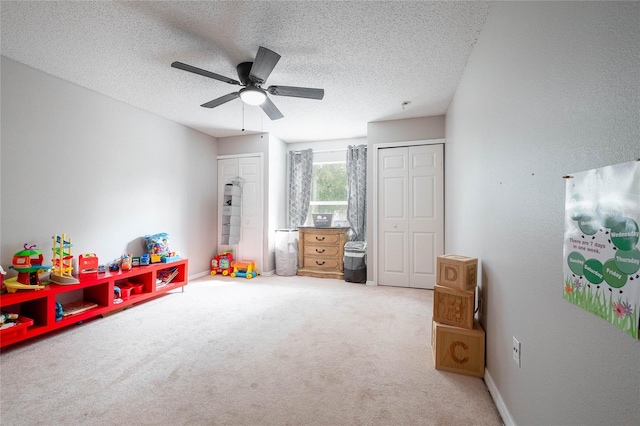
(28, 263)
(62, 261)
(244, 269)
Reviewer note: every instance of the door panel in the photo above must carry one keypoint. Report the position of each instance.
(394, 207)
(393, 262)
(394, 256)
(410, 215)
(252, 208)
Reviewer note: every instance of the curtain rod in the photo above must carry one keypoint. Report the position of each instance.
(322, 151)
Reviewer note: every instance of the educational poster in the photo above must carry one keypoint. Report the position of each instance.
(601, 251)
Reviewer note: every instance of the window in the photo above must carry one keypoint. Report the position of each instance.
(329, 190)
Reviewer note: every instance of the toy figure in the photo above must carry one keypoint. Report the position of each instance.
(125, 263)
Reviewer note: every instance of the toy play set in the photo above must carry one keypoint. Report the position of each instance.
(98, 290)
(224, 264)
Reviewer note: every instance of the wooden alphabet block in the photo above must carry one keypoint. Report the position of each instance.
(453, 307)
(458, 350)
(458, 272)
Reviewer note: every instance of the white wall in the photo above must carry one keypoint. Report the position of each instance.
(551, 88)
(410, 129)
(101, 171)
(277, 198)
(380, 132)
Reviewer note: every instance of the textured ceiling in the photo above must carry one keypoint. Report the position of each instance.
(369, 57)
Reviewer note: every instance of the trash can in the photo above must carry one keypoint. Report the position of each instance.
(355, 263)
(286, 252)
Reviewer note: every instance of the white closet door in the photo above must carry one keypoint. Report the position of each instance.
(249, 169)
(411, 215)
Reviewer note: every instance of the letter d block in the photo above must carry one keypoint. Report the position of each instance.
(457, 272)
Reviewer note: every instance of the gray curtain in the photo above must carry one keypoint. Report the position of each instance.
(357, 195)
(300, 171)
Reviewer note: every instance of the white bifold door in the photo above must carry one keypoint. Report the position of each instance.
(410, 215)
(249, 170)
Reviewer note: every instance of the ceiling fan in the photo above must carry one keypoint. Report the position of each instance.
(252, 76)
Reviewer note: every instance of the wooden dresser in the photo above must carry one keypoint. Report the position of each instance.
(321, 251)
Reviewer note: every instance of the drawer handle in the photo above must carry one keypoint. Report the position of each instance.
(319, 263)
(319, 251)
(319, 239)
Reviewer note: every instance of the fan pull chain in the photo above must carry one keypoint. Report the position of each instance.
(243, 116)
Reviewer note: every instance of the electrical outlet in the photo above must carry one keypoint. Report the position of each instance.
(516, 351)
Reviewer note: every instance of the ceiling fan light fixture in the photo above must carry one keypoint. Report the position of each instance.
(252, 95)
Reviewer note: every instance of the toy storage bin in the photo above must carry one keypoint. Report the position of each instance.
(286, 252)
(355, 263)
(324, 220)
(19, 329)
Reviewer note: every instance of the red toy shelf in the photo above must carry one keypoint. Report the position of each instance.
(38, 307)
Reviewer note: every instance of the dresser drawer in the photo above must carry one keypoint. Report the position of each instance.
(322, 263)
(313, 238)
(319, 250)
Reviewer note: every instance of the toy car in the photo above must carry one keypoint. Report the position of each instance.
(244, 269)
(222, 264)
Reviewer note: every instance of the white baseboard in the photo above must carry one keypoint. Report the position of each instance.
(497, 399)
(371, 283)
(198, 275)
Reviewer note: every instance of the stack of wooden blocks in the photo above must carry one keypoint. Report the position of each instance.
(457, 339)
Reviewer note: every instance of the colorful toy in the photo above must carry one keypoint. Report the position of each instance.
(245, 269)
(222, 264)
(59, 311)
(88, 266)
(145, 260)
(6, 318)
(157, 244)
(125, 262)
(27, 263)
(62, 261)
(117, 295)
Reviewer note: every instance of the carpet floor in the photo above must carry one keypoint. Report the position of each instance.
(267, 351)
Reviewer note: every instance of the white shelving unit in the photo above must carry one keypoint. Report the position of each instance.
(231, 210)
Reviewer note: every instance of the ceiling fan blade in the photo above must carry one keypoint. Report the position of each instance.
(271, 110)
(221, 100)
(296, 92)
(205, 73)
(262, 66)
